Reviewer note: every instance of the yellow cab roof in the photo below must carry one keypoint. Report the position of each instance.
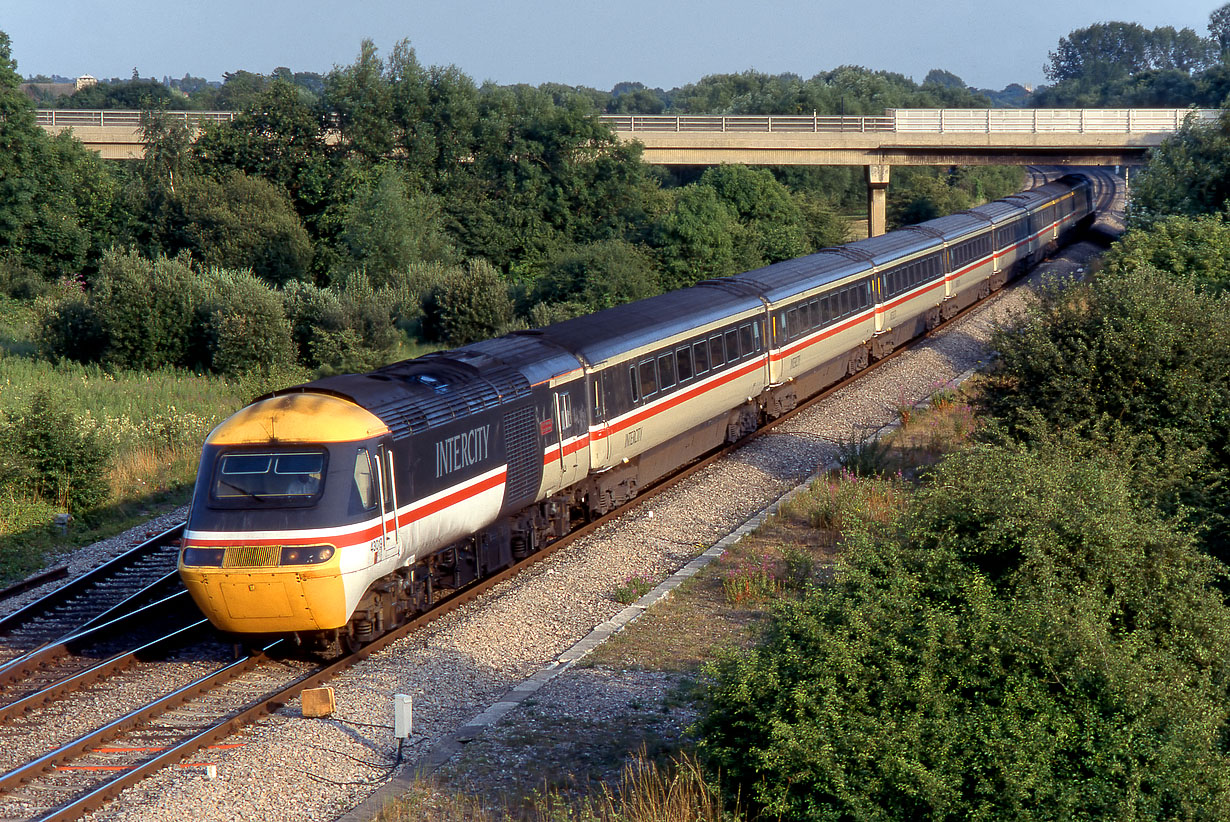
(300, 417)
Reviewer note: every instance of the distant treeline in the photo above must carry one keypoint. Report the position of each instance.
(398, 189)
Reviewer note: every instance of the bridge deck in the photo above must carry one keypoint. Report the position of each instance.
(898, 137)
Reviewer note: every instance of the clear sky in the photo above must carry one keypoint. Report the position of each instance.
(988, 43)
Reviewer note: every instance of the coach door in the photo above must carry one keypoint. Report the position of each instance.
(599, 442)
(388, 504)
(571, 434)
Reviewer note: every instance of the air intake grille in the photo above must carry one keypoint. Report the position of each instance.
(524, 455)
(252, 556)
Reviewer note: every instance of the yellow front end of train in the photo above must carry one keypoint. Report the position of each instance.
(286, 508)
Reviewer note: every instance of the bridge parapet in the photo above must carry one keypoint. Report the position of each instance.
(929, 121)
(54, 118)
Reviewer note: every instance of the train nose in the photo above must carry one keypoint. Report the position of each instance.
(295, 588)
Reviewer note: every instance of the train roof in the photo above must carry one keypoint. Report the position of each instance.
(1041, 195)
(957, 225)
(432, 390)
(888, 247)
(998, 211)
(623, 328)
(785, 279)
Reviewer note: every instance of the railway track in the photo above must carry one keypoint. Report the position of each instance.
(85, 772)
(135, 578)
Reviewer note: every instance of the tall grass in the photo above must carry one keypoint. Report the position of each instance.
(645, 792)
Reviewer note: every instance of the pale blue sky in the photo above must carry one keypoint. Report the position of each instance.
(989, 43)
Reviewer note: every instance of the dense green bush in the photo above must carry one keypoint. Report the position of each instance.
(48, 452)
(67, 326)
(146, 310)
(347, 327)
(1196, 247)
(1033, 644)
(1140, 359)
(238, 221)
(245, 325)
(468, 304)
(598, 275)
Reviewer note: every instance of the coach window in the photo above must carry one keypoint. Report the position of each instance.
(666, 370)
(746, 343)
(700, 351)
(813, 313)
(732, 345)
(756, 335)
(717, 355)
(636, 389)
(792, 324)
(683, 363)
(649, 379)
(825, 314)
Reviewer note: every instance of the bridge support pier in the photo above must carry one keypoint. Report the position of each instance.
(877, 199)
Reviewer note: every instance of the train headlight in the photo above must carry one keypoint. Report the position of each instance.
(204, 556)
(306, 554)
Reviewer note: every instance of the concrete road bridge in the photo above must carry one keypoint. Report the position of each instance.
(938, 137)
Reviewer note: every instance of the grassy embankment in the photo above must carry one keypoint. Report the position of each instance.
(720, 610)
(152, 422)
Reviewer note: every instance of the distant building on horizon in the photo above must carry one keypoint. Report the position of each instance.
(48, 91)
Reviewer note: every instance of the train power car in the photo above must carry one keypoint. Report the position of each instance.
(333, 510)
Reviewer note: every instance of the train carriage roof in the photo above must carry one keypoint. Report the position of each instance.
(1038, 197)
(998, 211)
(438, 388)
(895, 244)
(624, 328)
(781, 281)
(956, 226)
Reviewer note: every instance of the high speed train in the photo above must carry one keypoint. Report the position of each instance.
(335, 509)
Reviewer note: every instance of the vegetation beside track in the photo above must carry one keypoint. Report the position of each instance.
(1014, 603)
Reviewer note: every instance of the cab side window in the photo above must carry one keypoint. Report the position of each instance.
(365, 478)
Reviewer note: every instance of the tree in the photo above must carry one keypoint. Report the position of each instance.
(773, 223)
(388, 226)
(55, 196)
(1219, 28)
(1188, 174)
(239, 221)
(360, 101)
(1107, 52)
(939, 77)
(695, 239)
(1191, 247)
(1031, 644)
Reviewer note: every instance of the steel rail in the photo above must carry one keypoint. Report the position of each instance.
(132, 720)
(102, 670)
(54, 599)
(19, 669)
